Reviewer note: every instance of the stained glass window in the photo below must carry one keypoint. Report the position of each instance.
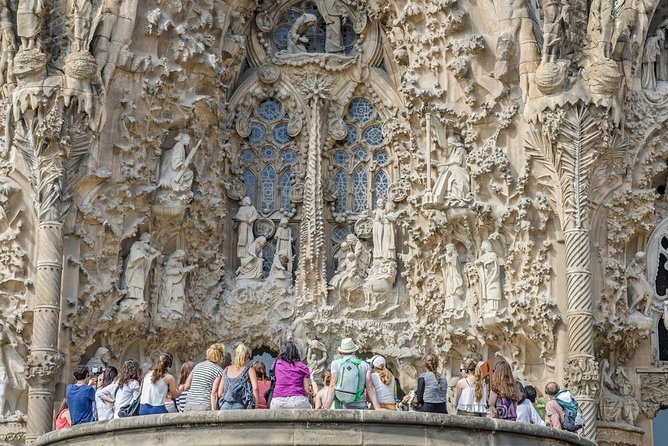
(288, 156)
(373, 135)
(340, 158)
(268, 153)
(270, 109)
(267, 259)
(268, 189)
(247, 156)
(380, 156)
(286, 188)
(258, 133)
(280, 134)
(360, 110)
(381, 186)
(360, 190)
(352, 136)
(249, 184)
(341, 185)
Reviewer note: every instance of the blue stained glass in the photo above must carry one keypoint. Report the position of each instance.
(341, 186)
(268, 184)
(267, 260)
(352, 136)
(281, 36)
(268, 152)
(361, 154)
(381, 157)
(286, 187)
(382, 66)
(249, 184)
(361, 110)
(270, 110)
(349, 36)
(247, 156)
(360, 190)
(280, 133)
(311, 8)
(339, 234)
(293, 15)
(340, 158)
(373, 135)
(289, 156)
(381, 186)
(258, 133)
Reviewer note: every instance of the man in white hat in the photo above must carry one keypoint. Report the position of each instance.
(351, 380)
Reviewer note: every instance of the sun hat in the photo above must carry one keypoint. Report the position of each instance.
(348, 346)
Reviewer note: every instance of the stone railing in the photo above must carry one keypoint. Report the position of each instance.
(308, 427)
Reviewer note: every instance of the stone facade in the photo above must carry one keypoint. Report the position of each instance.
(483, 180)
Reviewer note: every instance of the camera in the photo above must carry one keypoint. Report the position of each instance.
(96, 370)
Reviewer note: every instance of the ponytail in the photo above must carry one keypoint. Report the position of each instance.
(431, 363)
(160, 368)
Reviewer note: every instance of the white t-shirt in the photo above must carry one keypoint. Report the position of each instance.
(384, 393)
(126, 395)
(526, 413)
(105, 411)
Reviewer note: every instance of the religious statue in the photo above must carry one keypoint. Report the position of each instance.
(7, 48)
(640, 290)
(279, 273)
(653, 46)
(332, 12)
(246, 216)
(316, 357)
(555, 17)
(490, 279)
(453, 177)
(383, 230)
(173, 290)
(283, 238)
(617, 402)
(81, 12)
(453, 280)
(361, 253)
(175, 174)
(100, 360)
(30, 23)
(297, 34)
(12, 369)
(251, 263)
(348, 277)
(138, 267)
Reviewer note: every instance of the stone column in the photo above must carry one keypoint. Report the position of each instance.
(44, 361)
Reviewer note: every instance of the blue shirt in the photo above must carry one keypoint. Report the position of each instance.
(80, 400)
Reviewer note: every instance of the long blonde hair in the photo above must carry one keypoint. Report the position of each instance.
(241, 356)
(478, 381)
(384, 374)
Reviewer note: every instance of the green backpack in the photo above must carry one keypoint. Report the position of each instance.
(348, 389)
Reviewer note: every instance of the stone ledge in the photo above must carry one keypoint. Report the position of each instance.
(308, 427)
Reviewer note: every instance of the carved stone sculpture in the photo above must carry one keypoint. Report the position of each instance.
(175, 173)
(453, 181)
(283, 237)
(361, 252)
(652, 50)
(100, 359)
(81, 13)
(251, 263)
(173, 290)
(30, 23)
(297, 34)
(139, 263)
(640, 290)
(384, 217)
(348, 278)
(316, 357)
(490, 280)
(617, 403)
(246, 216)
(453, 282)
(279, 273)
(332, 12)
(12, 371)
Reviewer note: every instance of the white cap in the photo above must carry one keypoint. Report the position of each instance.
(377, 361)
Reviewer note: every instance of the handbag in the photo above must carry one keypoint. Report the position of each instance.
(129, 410)
(270, 391)
(242, 392)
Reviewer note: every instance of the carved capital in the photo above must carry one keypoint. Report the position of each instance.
(42, 367)
(582, 375)
(653, 392)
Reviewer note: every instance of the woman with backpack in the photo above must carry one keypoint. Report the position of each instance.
(471, 391)
(293, 380)
(504, 395)
(432, 388)
(238, 388)
(157, 383)
(384, 383)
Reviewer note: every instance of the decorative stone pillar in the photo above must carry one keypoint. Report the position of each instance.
(44, 362)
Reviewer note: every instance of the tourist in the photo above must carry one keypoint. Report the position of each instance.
(538, 403)
(293, 380)
(323, 394)
(105, 409)
(184, 373)
(526, 413)
(351, 380)
(554, 413)
(81, 397)
(239, 373)
(432, 388)
(155, 386)
(202, 384)
(63, 420)
(263, 383)
(471, 391)
(504, 395)
(127, 385)
(384, 383)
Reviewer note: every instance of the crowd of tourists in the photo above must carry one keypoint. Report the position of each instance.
(223, 382)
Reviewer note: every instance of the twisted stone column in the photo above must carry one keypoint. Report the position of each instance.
(44, 362)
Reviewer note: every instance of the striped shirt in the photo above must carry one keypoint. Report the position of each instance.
(204, 374)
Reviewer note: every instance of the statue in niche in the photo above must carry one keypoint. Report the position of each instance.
(640, 290)
(283, 238)
(175, 173)
(316, 357)
(653, 46)
(100, 359)
(12, 370)
(453, 177)
(453, 282)
(361, 252)
(173, 290)
(8, 48)
(616, 402)
(279, 273)
(297, 34)
(332, 12)
(348, 277)
(251, 264)
(30, 23)
(383, 230)
(554, 23)
(490, 280)
(246, 216)
(138, 267)
(81, 12)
